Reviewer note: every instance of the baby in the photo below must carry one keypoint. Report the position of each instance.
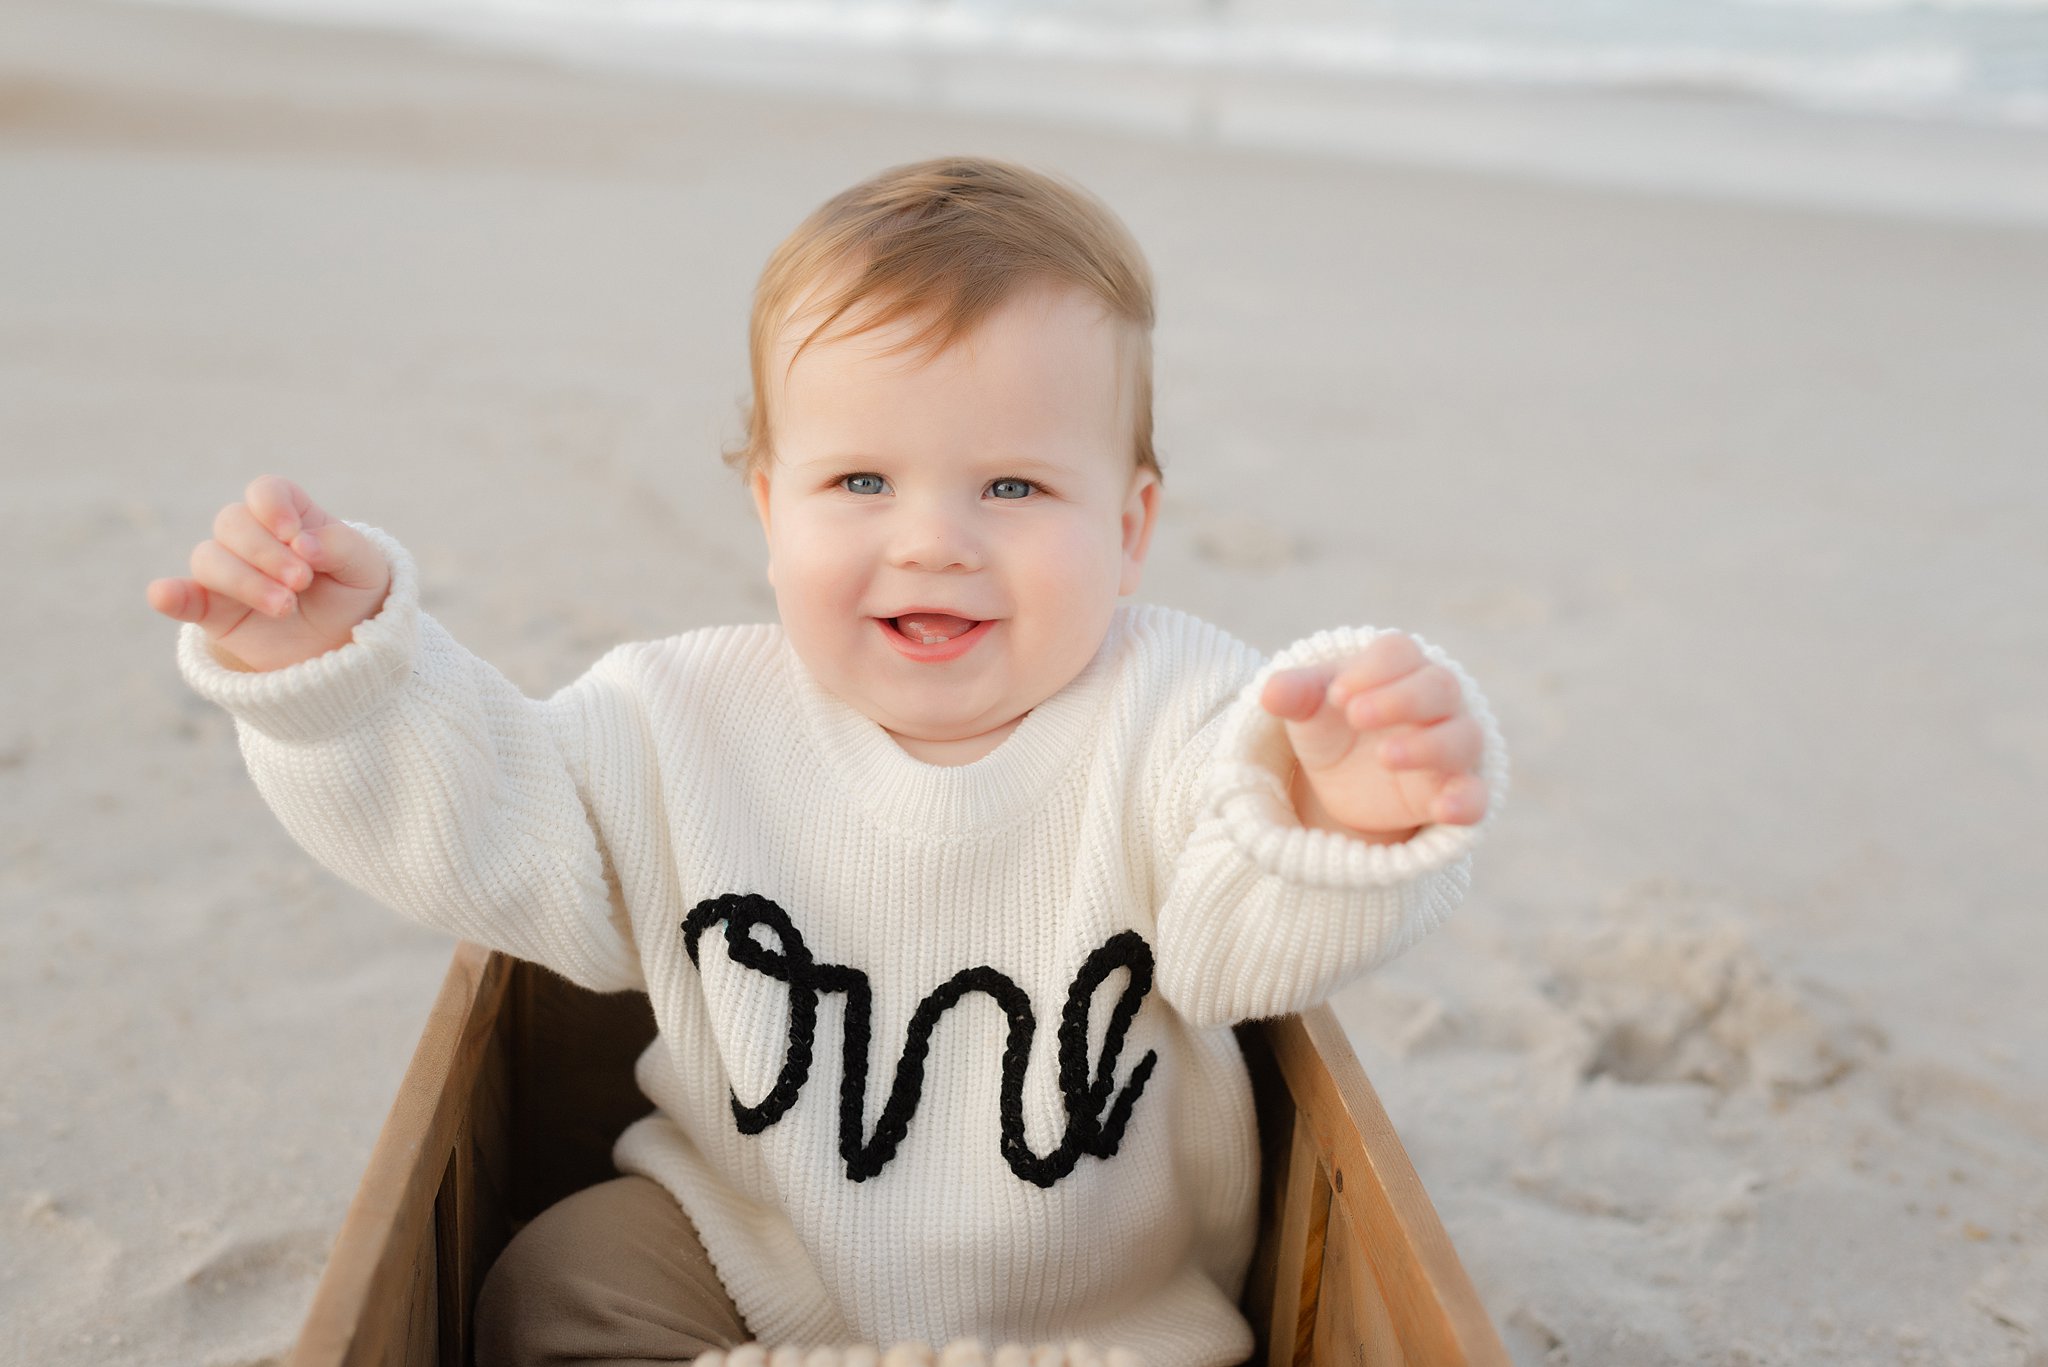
(947, 888)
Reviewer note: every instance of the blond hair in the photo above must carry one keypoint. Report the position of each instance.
(950, 239)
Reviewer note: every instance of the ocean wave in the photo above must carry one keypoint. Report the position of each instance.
(1905, 6)
(1913, 75)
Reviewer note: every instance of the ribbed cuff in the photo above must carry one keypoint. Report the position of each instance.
(326, 695)
(1253, 765)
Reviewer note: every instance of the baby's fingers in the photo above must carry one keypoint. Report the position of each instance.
(281, 506)
(1452, 746)
(1430, 694)
(186, 600)
(1315, 730)
(1461, 802)
(222, 572)
(1391, 655)
(344, 554)
(237, 528)
(1295, 694)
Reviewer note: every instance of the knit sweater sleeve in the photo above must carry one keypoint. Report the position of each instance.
(1262, 916)
(420, 774)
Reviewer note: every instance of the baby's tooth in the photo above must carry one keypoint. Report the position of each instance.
(934, 628)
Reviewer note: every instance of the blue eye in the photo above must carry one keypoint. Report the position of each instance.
(1022, 487)
(862, 484)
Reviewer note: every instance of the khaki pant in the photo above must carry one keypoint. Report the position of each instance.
(613, 1274)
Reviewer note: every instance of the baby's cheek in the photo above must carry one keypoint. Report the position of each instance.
(1076, 608)
(827, 564)
(1082, 564)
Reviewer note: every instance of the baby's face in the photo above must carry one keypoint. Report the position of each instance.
(992, 483)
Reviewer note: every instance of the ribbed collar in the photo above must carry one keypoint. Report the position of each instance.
(904, 792)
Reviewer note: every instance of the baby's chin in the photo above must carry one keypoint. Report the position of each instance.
(945, 731)
(940, 712)
(952, 745)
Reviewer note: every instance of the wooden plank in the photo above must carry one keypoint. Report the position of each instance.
(421, 1341)
(454, 1254)
(1434, 1313)
(1298, 1263)
(388, 1232)
(1353, 1325)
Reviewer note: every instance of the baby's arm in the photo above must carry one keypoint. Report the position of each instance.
(1264, 915)
(417, 772)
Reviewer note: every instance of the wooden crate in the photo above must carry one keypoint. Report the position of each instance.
(522, 1080)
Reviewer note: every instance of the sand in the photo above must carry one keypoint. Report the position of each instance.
(1733, 509)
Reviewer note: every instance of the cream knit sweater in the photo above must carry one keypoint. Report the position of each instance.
(943, 1051)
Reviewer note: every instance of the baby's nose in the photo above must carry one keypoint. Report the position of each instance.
(935, 540)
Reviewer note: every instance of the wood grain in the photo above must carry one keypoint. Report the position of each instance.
(378, 1299)
(1431, 1308)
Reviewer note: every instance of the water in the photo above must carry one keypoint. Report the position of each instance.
(1982, 60)
(1951, 95)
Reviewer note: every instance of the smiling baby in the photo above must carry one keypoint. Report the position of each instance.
(946, 887)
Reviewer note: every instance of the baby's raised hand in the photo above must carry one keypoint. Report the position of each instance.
(1383, 741)
(280, 582)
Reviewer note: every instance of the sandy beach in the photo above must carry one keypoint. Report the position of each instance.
(1731, 1056)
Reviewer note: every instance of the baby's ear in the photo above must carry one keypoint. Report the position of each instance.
(1141, 512)
(757, 484)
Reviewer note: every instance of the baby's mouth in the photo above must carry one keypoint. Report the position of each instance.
(932, 628)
